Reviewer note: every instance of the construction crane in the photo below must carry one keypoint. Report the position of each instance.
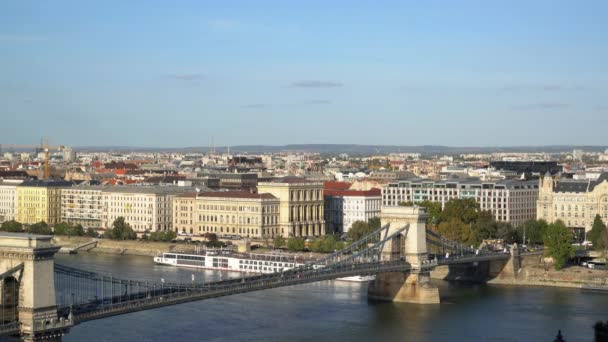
(44, 146)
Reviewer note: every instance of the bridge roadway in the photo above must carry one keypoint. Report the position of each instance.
(183, 293)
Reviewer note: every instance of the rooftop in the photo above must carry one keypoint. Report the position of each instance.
(236, 194)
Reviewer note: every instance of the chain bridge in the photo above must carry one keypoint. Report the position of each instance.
(42, 300)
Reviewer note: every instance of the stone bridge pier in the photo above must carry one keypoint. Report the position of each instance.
(412, 286)
(28, 287)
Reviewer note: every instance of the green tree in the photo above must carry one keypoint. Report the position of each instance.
(456, 230)
(163, 236)
(358, 230)
(466, 210)
(595, 234)
(326, 244)
(295, 244)
(406, 204)
(374, 223)
(91, 232)
(278, 241)
(12, 227)
(558, 241)
(61, 229)
(39, 228)
(77, 230)
(120, 230)
(534, 229)
(484, 227)
(433, 209)
(506, 232)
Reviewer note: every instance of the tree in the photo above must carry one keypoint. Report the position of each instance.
(358, 230)
(326, 244)
(374, 223)
(163, 236)
(91, 232)
(456, 230)
(485, 227)
(121, 230)
(595, 234)
(534, 229)
(77, 230)
(433, 209)
(295, 244)
(558, 240)
(69, 230)
(39, 228)
(506, 232)
(466, 210)
(278, 241)
(61, 229)
(406, 204)
(12, 227)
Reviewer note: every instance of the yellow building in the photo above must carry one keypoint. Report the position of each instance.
(40, 200)
(224, 213)
(575, 202)
(301, 205)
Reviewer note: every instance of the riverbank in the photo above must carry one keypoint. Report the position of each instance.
(141, 248)
(536, 275)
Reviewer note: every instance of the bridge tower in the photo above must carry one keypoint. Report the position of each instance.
(26, 261)
(413, 286)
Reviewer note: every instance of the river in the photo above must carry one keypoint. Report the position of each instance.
(339, 311)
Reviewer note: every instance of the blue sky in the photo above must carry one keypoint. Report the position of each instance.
(175, 73)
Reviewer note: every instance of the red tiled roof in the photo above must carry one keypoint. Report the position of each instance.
(336, 185)
(335, 192)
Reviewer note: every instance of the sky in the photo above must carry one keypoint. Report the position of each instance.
(179, 73)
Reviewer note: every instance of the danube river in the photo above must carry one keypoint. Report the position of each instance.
(339, 311)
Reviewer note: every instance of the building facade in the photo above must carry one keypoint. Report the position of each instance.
(8, 199)
(511, 201)
(344, 207)
(301, 205)
(40, 200)
(83, 205)
(145, 208)
(224, 213)
(575, 202)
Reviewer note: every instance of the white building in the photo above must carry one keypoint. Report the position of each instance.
(344, 207)
(145, 208)
(8, 199)
(511, 201)
(83, 205)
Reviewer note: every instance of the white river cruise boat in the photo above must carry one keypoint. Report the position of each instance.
(228, 260)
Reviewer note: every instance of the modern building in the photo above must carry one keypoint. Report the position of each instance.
(575, 202)
(40, 200)
(241, 213)
(301, 205)
(511, 201)
(528, 167)
(8, 199)
(343, 207)
(145, 208)
(234, 181)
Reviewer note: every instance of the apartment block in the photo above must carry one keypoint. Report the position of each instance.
(8, 199)
(40, 200)
(511, 201)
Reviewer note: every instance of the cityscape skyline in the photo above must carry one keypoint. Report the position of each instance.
(322, 73)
